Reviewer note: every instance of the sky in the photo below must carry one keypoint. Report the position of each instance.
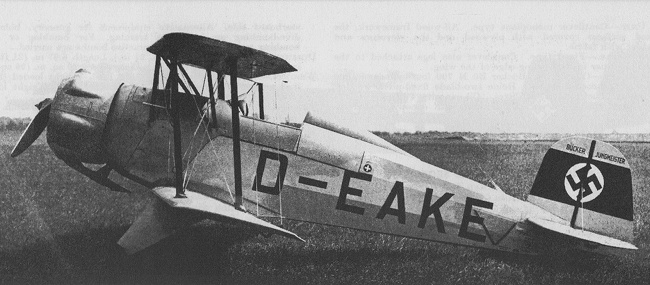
(383, 66)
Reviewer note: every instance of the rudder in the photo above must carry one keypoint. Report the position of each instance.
(589, 184)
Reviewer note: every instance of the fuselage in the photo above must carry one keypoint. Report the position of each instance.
(334, 179)
(328, 174)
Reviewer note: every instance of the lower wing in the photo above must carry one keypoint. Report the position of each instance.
(160, 220)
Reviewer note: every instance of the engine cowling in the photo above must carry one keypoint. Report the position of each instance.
(127, 128)
(78, 118)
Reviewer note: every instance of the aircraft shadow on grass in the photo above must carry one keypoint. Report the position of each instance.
(93, 256)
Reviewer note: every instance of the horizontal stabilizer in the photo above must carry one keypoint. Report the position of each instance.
(217, 210)
(581, 234)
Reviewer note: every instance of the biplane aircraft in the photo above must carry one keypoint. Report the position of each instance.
(207, 158)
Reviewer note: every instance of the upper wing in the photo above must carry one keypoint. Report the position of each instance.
(207, 53)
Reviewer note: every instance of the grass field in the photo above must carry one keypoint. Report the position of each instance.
(59, 227)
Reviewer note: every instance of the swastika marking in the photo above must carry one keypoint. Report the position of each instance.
(586, 179)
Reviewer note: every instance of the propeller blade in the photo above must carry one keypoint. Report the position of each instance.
(35, 128)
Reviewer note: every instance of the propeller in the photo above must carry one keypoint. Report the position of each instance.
(76, 124)
(35, 127)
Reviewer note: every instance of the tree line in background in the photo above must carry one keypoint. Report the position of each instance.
(13, 124)
(19, 124)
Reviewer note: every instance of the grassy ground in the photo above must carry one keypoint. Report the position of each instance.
(56, 226)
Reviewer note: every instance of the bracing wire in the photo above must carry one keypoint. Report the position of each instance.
(232, 197)
(166, 96)
(481, 168)
(487, 175)
(169, 155)
(188, 173)
(277, 139)
(210, 139)
(214, 151)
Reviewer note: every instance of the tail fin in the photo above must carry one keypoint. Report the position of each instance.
(588, 183)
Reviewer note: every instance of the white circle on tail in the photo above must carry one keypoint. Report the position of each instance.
(593, 182)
